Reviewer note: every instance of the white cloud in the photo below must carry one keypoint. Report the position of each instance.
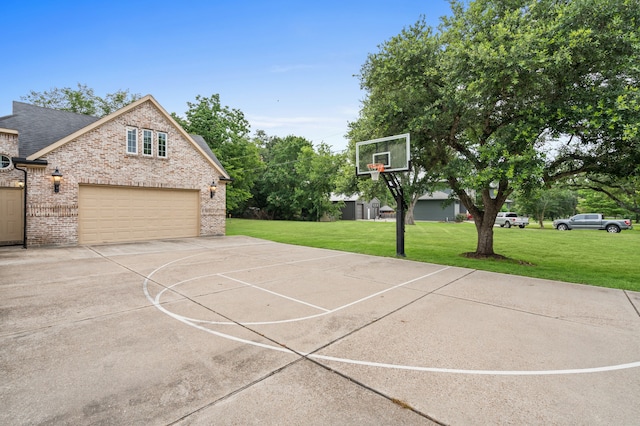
(301, 121)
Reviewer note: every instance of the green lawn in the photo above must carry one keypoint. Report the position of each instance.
(589, 257)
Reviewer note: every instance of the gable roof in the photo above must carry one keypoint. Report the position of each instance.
(203, 145)
(42, 130)
(333, 197)
(439, 195)
(39, 127)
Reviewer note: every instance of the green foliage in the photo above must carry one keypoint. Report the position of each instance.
(82, 100)
(297, 180)
(461, 217)
(622, 193)
(317, 170)
(596, 51)
(347, 182)
(395, 105)
(552, 203)
(490, 96)
(596, 202)
(280, 180)
(226, 131)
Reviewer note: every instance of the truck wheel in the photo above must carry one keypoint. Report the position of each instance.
(614, 229)
(507, 224)
(563, 227)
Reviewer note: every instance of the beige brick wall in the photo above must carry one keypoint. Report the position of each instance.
(100, 157)
(9, 147)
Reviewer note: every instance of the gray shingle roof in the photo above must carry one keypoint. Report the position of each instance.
(203, 144)
(39, 127)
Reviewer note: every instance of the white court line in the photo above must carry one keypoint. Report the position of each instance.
(482, 372)
(326, 311)
(378, 364)
(246, 284)
(233, 271)
(275, 294)
(407, 367)
(223, 274)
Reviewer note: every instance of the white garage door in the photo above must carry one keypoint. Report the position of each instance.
(11, 231)
(118, 214)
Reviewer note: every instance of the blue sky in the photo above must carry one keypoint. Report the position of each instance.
(289, 66)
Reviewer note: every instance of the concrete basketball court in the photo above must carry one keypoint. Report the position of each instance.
(236, 330)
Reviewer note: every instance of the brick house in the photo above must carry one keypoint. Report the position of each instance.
(130, 176)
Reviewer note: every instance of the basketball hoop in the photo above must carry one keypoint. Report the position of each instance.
(375, 169)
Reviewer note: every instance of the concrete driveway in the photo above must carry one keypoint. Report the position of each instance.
(236, 330)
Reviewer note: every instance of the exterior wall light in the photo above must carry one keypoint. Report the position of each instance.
(212, 189)
(57, 177)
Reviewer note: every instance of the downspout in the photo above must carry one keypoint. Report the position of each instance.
(228, 180)
(24, 161)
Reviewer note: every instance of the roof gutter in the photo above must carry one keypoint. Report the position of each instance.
(23, 161)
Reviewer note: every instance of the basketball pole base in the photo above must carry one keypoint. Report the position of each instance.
(398, 194)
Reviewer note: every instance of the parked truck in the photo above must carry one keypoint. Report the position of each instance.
(592, 221)
(509, 219)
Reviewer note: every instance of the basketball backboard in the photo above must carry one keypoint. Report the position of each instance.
(391, 152)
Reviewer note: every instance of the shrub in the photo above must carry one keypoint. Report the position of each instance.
(461, 217)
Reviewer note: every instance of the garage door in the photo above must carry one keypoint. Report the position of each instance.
(117, 214)
(11, 231)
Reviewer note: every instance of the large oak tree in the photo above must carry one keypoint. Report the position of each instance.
(512, 94)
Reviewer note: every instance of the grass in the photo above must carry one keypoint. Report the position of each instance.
(587, 257)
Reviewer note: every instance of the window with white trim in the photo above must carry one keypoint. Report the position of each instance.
(147, 142)
(162, 144)
(132, 140)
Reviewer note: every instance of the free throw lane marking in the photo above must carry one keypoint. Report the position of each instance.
(323, 313)
(194, 323)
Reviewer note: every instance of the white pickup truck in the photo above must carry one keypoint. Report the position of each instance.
(592, 221)
(509, 219)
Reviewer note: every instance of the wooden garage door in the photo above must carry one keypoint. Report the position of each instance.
(11, 217)
(118, 214)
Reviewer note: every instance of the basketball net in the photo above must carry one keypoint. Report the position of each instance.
(375, 169)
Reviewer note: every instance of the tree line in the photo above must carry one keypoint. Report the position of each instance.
(512, 96)
(288, 178)
(274, 177)
(503, 98)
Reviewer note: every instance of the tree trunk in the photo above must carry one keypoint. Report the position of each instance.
(541, 217)
(409, 218)
(485, 238)
(484, 223)
(484, 218)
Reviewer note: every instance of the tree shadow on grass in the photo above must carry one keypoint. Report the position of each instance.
(495, 257)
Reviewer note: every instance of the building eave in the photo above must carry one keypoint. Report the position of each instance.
(35, 156)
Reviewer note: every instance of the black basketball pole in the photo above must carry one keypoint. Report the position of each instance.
(401, 206)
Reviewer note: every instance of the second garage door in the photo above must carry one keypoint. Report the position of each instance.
(117, 214)
(11, 230)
